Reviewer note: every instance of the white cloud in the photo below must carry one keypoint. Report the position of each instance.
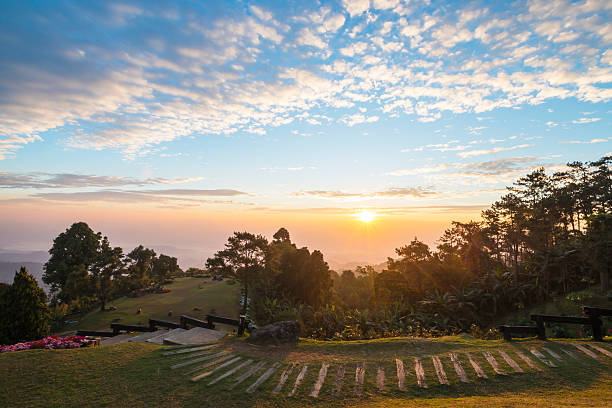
(472, 153)
(586, 120)
(356, 7)
(309, 37)
(419, 170)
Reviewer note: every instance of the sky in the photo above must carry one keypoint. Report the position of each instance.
(173, 124)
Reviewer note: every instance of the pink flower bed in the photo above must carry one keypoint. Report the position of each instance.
(49, 342)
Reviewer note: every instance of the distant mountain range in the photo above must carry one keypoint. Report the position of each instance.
(11, 261)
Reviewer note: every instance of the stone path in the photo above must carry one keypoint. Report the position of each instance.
(219, 364)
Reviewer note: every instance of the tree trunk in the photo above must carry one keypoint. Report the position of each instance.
(246, 296)
(103, 307)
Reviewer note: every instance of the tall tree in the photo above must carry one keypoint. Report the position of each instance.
(243, 258)
(107, 268)
(72, 254)
(140, 266)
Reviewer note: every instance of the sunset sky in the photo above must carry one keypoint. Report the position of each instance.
(172, 124)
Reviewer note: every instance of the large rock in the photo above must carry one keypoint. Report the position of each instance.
(276, 333)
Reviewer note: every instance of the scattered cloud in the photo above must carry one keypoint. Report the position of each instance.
(586, 120)
(472, 153)
(70, 180)
(388, 193)
(418, 170)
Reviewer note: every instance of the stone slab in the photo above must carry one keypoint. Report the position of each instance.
(459, 368)
(479, 371)
(320, 380)
(380, 378)
(298, 380)
(528, 361)
(122, 338)
(197, 335)
(267, 374)
(247, 374)
(160, 339)
(517, 368)
(440, 370)
(420, 373)
(401, 374)
(542, 358)
(359, 377)
(148, 335)
(493, 362)
(230, 372)
(339, 379)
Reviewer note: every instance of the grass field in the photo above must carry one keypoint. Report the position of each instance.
(137, 375)
(191, 296)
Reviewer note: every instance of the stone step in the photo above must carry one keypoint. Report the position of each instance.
(527, 360)
(440, 370)
(214, 370)
(420, 373)
(380, 378)
(601, 349)
(189, 350)
(267, 374)
(479, 371)
(359, 378)
(199, 359)
(210, 364)
(121, 338)
(517, 368)
(401, 374)
(230, 372)
(553, 354)
(542, 358)
(339, 379)
(197, 335)
(320, 380)
(298, 380)
(283, 379)
(160, 339)
(587, 351)
(459, 368)
(493, 362)
(148, 335)
(247, 374)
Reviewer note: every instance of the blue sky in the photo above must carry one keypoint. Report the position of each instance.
(293, 107)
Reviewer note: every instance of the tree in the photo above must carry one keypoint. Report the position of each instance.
(599, 238)
(72, 254)
(141, 266)
(105, 271)
(163, 267)
(24, 314)
(243, 258)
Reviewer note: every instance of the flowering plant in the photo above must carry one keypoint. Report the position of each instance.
(49, 342)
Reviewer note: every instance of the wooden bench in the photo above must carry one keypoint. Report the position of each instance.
(594, 322)
(95, 333)
(153, 323)
(508, 330)
(192, 321)
(596, 313)
(118, 327)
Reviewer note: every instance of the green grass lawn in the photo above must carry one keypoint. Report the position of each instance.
(191, 296)
(137, 375)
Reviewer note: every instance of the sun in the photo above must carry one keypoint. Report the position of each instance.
(366, 216)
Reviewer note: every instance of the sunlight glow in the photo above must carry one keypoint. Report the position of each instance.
(366, 216)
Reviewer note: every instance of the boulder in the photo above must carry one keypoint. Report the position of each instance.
(276, 334)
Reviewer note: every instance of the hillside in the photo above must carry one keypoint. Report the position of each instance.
(191, 296)
(139, 375)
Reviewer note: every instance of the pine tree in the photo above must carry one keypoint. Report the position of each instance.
(24, 314)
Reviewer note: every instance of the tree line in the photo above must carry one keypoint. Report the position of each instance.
(550, 234)
(84, 270)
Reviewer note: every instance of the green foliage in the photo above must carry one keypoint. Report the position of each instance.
(24, 314)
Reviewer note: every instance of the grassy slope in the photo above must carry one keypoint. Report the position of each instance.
(136, 375)
(186, 294)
